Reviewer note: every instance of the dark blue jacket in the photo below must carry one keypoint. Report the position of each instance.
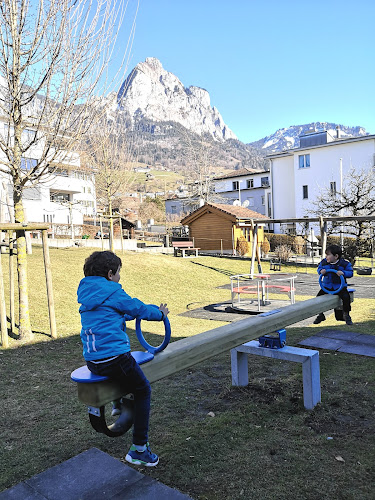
(105, 307)
(331, 281)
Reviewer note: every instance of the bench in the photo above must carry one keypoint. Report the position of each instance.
(183, 247)
(307, 357)
(275, 266)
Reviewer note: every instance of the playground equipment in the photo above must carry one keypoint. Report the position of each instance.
(272, 341)
(93, 388)
(189, 351)
(332, 292)
(339, 314)
(307, 357)
(260, 285)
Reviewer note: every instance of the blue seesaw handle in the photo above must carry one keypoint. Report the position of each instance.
(332, 292)
(145, 344)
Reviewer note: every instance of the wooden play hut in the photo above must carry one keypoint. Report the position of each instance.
(217, 227)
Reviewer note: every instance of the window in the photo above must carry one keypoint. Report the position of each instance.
(304, 161)
(28, 163)
(263, 200)
(264, 182)
(173, 209)
(59, 197)
(305, 192)
(250, 183)
(235, 185)
(333, 188)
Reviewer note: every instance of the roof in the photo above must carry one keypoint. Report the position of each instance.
(336, 142)
(240, 173)
(235, 213)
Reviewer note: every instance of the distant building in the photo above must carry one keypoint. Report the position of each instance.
(218, 227)
(299, 175)
(64, 195)
(249, 186)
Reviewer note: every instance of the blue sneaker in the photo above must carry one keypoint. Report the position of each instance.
(145, 458)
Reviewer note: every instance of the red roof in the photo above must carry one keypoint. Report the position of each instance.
(236, 212)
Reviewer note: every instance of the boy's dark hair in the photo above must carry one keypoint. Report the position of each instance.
(100, 263)
(334, 250)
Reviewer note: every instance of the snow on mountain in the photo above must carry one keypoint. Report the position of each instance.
(288, 138)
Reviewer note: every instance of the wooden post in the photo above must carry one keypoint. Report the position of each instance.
(101, 232)
(122, 239)
(221, 247)
(47, 268)
(3, 312)
(11, 282)
(323, 236)
(254, 232)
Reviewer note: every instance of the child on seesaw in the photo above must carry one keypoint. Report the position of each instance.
(332, 281)
(104, 309)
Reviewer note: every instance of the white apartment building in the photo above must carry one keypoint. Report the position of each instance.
(299, 175)
(63, 196)
(250, 187)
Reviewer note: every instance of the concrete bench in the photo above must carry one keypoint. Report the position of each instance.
(307, 357)
(183, 248)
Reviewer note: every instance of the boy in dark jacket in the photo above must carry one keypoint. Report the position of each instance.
(332, 281)
(104, 309)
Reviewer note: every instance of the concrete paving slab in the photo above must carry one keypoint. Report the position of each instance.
(366, 339)
(21, 492)
(361, 349)
(149, 489)
(339, 335)
(91, 475)
(322, 343)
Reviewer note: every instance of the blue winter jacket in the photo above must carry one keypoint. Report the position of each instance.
(105, 307)
(332, 281)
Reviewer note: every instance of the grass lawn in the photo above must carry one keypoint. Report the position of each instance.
(260, 442)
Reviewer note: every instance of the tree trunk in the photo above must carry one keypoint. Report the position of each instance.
(25, 332)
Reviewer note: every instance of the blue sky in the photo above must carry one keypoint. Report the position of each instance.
(267, 64)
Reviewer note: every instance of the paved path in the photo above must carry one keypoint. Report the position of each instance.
(91, 475)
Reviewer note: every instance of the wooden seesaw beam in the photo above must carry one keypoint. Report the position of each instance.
(189, 351)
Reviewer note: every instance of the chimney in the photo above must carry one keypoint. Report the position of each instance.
(337, 132)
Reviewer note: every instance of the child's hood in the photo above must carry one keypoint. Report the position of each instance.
(94, 290)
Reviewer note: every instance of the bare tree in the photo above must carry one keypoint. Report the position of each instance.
(108, 152)
(357, 198)
(198, 155)
(53, 60)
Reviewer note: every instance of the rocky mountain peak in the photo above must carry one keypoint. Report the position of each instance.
(150, 92)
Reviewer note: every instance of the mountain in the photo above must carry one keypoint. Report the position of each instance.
(288, 138)
(174, 126)
(152, 93)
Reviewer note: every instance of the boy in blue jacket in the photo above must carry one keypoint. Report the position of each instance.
(342, 267)
(104, 309)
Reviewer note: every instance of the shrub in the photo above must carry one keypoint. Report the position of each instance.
(265, 246)
(242, 246)
(283, 252)
(299, 245)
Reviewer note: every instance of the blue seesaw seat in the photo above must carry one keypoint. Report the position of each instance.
(84, 376)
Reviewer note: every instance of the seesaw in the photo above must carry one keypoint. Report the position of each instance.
(97, 391)
(190, 351)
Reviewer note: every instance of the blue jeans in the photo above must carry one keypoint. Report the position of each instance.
(125, 370)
